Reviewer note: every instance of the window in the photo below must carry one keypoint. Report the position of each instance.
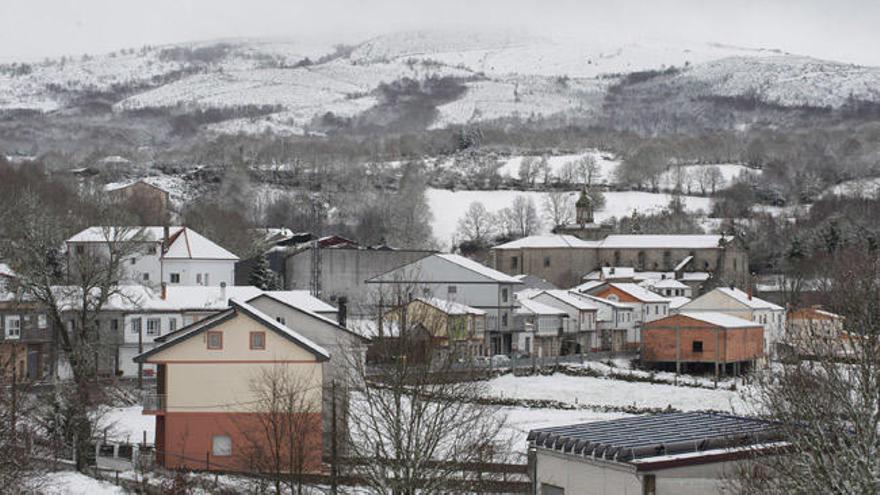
(146, 277)
(114, 325)
(503, 295)
(514, 263)
(697, 346)
(452, 289)
(215, 340)
(258, 341)
(42, 321)
(504, 320)
(657, 310)
(13, 327)
(206, 278)
(172, 324)
(152, 249)
(280, 319)
(135, 325)
(175, 278)
(546, 261)
(80, 249)
(154, 326)
(528, 347)
(199, 278)
(132, 261)
(221, 445)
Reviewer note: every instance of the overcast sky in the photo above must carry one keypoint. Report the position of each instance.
(845, 30)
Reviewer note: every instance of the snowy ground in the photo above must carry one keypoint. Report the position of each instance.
(858, 188)
(449, 206)
(607, 165)
(73, 483)
(128, 424)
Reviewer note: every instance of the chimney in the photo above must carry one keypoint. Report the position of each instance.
(342, 314)
(750, 292)
(223, 291)
(165, 235)
(164, 291)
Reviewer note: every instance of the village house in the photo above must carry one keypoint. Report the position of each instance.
(579, 329)
(684, 453)
(211, 375)
(455, 278)
(336, 268)
(542, 328)
(564, 259)
(735, 302)
(700, 340)
(26, 332)
(171, 255)
(448, 325)
(616, 325)
(811, 330)
(149, 201)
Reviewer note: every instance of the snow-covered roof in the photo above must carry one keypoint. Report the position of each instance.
(636, 241)
(473, 266)
(588, 285)
(639, 292)
(547, 241)
(115, 186)
(301, 299)
(6, 271)
(572, 300)
(607, 302)
(611, 272)
(666, 283)
(743, 297)
(695, 276)
(530, 306)
(189, 244)
(720, 319)
(451, 307)
(186, 243)
(678, 301)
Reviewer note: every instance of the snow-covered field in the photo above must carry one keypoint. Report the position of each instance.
(690, 174)
(607, 165)
(858, 188)
(73, 483)
(128, 424)
(448, 206)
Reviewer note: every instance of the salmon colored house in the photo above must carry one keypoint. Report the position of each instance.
(703, 337)
(211, 382)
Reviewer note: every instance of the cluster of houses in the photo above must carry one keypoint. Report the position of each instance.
(187, 318)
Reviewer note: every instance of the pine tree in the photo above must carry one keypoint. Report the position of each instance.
(635, 223)
(261, 276)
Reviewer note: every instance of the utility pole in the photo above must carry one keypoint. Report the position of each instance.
(140, 351)
(334, 459)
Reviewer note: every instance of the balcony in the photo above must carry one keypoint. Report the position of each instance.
(154, 403)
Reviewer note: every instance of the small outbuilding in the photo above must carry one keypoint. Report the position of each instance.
(676, 453)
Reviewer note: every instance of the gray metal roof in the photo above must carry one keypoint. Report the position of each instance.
(641, 437)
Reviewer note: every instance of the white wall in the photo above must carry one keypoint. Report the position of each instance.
(144, 263)
(218, 271)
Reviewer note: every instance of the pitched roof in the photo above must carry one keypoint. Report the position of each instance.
(637, 438)
(115, 186)
(678, 301)
(608, 302)
(301, 299)
(530, 306)
(547, 241)
(667, 283)
(236, 307)
(451, 307)
(743, 297)
(639, 292)
(185, 243)
(717, 319)
(473, 266)
(572, 300)
(646, 241)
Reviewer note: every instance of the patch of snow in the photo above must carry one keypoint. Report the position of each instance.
(74, 483)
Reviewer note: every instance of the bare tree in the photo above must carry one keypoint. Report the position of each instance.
(521, 218)
(94, 276)
(825, 399)
(544, 169)
(568, 174)
(529, 170)
(287, 430)
(416, 417)
(587, 170)
(477, 225)
(558, 208)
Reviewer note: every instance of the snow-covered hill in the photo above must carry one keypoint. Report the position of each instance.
(508, 74)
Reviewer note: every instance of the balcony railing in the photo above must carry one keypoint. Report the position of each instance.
(154, 402)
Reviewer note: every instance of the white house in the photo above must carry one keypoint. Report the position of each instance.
(542, 328)
(580, 328)
(171, 255)
(455, 278)
(616, 324)
(734, 302)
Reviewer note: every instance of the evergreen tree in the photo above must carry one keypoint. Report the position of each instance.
(262, 276)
